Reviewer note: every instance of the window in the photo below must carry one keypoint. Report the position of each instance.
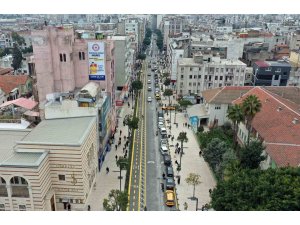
(227, 69)
(195, 76)
(205, 77)
(61, 57)
(217, 70)
(2, 181)
(222, 70)
(190, 84)
(211, 69)
(278, 70)
(199, 69)
(217, 107)
(209, 77)
(216, 77)
(65, 57)
(22, 207)
(194, 84)
(181, 77)
(199, 76)
(2, 207)
(191, 69)
(198, 83)
(191, 76)
(182, 69)
(268, 69)
(61, 177)
(221, 77)
(276, 77)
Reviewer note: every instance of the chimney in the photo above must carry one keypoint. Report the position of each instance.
(295, 121)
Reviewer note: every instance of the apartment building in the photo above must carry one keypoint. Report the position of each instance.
(294, 40)
(203, 72)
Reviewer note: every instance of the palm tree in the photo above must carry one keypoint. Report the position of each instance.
(251, 105)
(182, 138)
(236, 115)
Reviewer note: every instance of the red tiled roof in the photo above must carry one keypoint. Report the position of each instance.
(4, 71)
(275, 125)
(284, 155)
(22, 102)
(9, 82)
(262, 64)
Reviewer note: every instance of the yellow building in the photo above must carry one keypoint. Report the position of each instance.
(50, 167)
(295, 58)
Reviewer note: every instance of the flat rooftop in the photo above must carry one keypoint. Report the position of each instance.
(8, 139)
(225, 62)
(24, 159)
(67, 131)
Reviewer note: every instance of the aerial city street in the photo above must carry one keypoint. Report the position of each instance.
(149, 112)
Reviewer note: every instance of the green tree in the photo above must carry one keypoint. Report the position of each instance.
(147, 41)
(193, 179)
(17, 38)
(165, 75)
(206, 137)
(255, 189)
(228, 160)
(251, 105)
(236, 115)
(169, 93)
(5, 52)
(27, 50)
(141, 56)
(182, 137)
(137, 85)
(167, 82)
(213, 153)
(132, 122)
(17, 58)
(184, 103)
(251, 155)
(116, 200)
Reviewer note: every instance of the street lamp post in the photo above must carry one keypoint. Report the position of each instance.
(175, 116)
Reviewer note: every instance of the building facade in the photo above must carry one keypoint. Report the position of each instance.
(203, 72)
(271, 73)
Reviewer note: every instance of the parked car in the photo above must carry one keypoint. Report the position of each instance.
(163, 130)
(170, 198)
(149, 88)
(168, 108)
(164, 142)
(169, 171)
(164, 150)
(157, 96)
(167, 160)
(149, 99)
(170, 183)
(160, 124)
(149, 82)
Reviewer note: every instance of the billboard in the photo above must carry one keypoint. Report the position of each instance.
(96, 60)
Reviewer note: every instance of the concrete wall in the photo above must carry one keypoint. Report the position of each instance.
(219, 114)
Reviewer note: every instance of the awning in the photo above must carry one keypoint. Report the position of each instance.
(32, 113)
(21, 102)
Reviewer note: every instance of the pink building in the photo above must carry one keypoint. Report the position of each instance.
(62, 64)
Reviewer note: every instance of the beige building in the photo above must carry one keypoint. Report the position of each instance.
(203, 72)
(49, 167)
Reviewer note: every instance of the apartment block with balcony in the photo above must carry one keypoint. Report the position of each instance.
(271, 73)
(203, 72)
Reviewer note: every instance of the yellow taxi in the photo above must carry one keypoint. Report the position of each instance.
(157, 96)
(170, 198)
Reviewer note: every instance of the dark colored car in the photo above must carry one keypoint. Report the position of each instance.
(169, 171)
(167, 160)
(170, 183)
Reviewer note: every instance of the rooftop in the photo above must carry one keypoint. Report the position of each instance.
(8, 139)
(225, 62)
(67, 131)
(264, 64)
(24, 159)
(277, 123)
(9, 82)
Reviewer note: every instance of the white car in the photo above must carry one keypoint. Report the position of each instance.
(149, 81)
(164, 142)
(160, 124)
(149, 99)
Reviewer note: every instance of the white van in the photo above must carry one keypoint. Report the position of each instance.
(163, 130)
(164, 150)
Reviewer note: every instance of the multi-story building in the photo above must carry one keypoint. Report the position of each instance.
(224, 29)
(256, 52)
(123, 63)
(5, 41)
(271, 73)
(63, 63)
(203, 72)
(50, 167)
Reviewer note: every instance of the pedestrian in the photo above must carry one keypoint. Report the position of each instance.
(128, 105)
(124, 137)
(176, 125)
(177, 144)
(145, 208)
(200, 153)
(178, 180)
(123, 149)
(69, 207)
(126, 151)
(172, 138)
(123, 123)
(210, 191)
(89, 208)
(125, 156)
(164, 175)
(119, 143)
(116, 158)
(120, 133)
(176, 162)
(188, 126)
(179, 150)
(107, 170)
(185, 206)
(162, 187)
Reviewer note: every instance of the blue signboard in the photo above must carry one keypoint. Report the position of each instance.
(96, 77)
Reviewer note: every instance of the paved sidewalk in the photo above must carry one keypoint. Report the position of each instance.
(106, 182)
(191, 163)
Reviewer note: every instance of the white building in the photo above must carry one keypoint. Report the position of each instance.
(224, 30)
(203, 72)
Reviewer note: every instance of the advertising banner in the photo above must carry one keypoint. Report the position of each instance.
(96, 60)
